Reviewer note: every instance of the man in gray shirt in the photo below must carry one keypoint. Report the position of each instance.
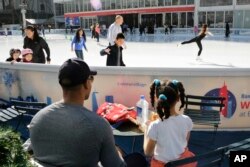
(67, 134)
(114, 29)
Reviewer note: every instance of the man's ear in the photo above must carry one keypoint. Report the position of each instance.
(85, 85)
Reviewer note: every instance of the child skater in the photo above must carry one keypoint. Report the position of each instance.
(27, 55)
(114, 52)
(204, 31)
(14, 56)
(166, 138)
(79, 42)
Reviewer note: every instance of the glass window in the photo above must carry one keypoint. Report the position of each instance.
(190, 2)
(215, 3)
(175, 2)
(147, 3)
(112, 4)
(135, 3)
(247, 19)
(210, 19)
(182, 2)
(243, 2)
(202, 18)
(90, 7)
(1, 5)
(141, 3)
(118, 4)
(103, 5)
(124, 4)
(153, 3)
(160, 2)
(168, 19)
(107, 4)
(129, 3)
(229, 17)
(238, 19)
(85, 5)
(73, 6)
(219, 19)
(175, 19)
(167, 2)
(190, 19)
(183, 20)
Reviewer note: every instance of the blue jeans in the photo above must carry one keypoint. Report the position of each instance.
(79, 54)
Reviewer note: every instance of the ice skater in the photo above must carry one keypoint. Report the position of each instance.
(204, 31)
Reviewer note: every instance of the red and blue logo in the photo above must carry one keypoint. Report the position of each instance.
(230, 100)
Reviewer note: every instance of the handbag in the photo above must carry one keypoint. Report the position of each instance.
(115, 112)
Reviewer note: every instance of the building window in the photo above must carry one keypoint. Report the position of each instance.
(210, 19)
(135, 3)
(243, 2)
(129, 3)
(183, 20)
(153, 3)
(202, 18)
(112, 4)
(189, 2)
(118, 4)
(175, 2)
(215, 3)
(107, 4)
(238, 19)
(219, 19)
(175, 19)
(168, 3)
(42, 7)
(141, 3)
(147, 3)
(124, 4)
(247, 19)
(183, 2)
(190, 19)
(168, 19)
(229, 17)
(160, 2)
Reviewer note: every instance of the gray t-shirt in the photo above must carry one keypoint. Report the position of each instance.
(72, 136)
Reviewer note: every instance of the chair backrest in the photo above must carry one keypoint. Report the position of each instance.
(209, 101)
(210, 159)
(30, 107)
(243, 145)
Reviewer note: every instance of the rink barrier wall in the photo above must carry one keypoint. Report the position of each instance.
(125, 85)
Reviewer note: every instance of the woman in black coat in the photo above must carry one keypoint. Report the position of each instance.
(36, 44)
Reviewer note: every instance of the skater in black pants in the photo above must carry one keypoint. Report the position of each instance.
(204, 31)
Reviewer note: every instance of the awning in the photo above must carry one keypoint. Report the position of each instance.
(36, 21)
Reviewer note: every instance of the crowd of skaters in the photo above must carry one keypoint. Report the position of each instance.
(37, 44)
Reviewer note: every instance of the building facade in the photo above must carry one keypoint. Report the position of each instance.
(10, 10)
(157, 13)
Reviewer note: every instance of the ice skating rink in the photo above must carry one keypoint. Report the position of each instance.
(150, 50)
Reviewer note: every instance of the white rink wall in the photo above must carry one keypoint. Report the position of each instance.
(126, 85)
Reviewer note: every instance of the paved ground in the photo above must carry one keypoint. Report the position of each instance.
(150, 51)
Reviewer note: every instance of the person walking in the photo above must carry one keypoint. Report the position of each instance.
(68, 134)
(204, 31)
(227, 31)
(78, 43)
(37, 44)
(97, 32)
(114, 29)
